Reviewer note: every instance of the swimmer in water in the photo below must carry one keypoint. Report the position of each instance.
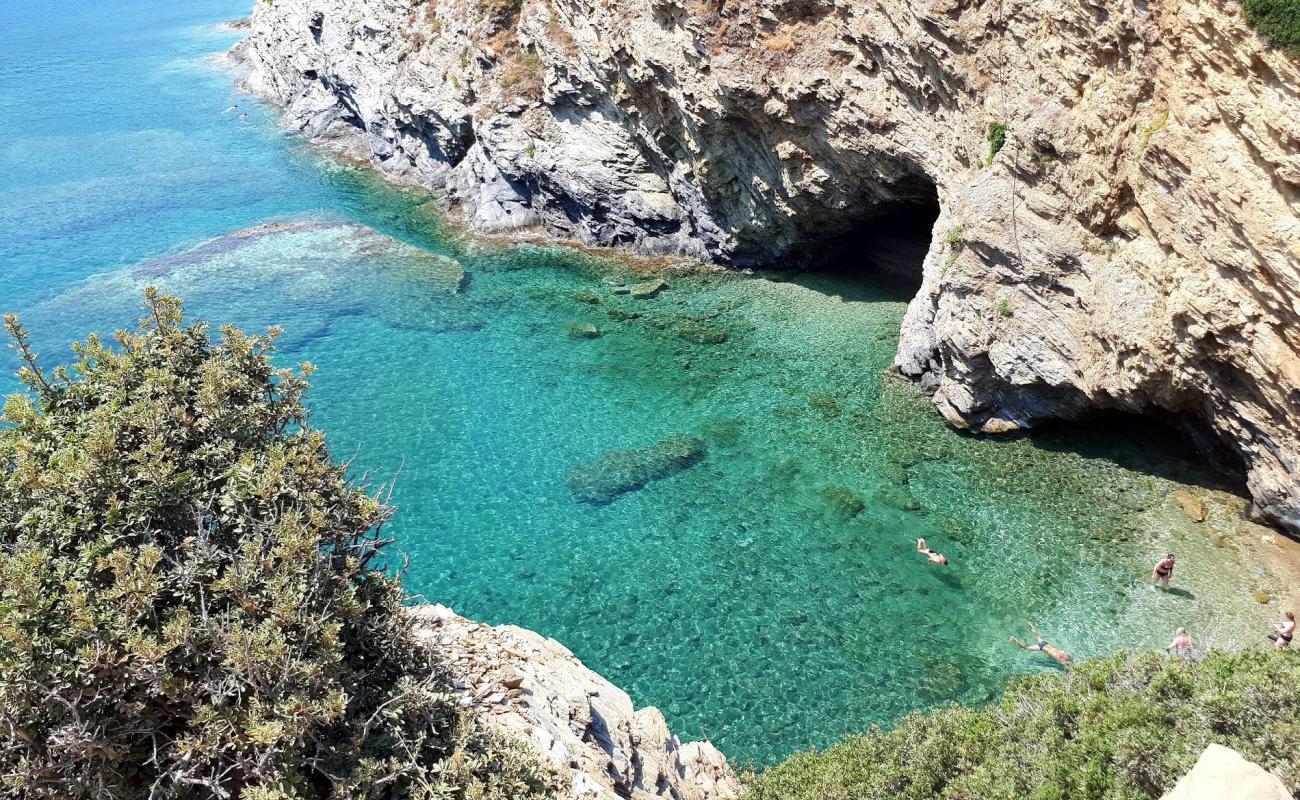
(934, 557)
(1041, 646)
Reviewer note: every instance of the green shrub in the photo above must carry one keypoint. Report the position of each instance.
(1005, 308)
(1277, 20)
(1128, 726)
(190, 604)
(952, 239)
(996, 135)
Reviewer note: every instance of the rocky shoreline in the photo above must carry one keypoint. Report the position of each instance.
(533, 689)
(1114, 183)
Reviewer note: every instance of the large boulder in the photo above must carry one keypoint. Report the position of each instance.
(533, 689)
(602, 479)
(1222, 774)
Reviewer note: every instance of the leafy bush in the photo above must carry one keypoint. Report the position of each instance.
(1277, 20)
(996, 135)
(189, 599)
(1128, 726)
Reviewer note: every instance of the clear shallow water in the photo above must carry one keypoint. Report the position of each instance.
(748, 596)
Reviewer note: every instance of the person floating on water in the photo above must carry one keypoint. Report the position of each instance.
(1285, 631)
(1164, 571)
(935, 558)
(1063, 658)
(1181, 646)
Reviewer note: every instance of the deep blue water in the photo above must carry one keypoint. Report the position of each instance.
(768, 597)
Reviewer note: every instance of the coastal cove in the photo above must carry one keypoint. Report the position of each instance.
(762, 590)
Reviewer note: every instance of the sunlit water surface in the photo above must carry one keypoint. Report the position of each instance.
(768, 597)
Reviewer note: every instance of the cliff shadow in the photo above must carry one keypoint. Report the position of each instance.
(1175, 447)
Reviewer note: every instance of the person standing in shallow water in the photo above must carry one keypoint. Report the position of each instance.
(1041, 646)
(1285, 631)
(1181, 646)
(1163, 571)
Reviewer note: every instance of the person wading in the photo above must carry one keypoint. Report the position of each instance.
(1181, 646)
(1164, 571)
(1285, 631)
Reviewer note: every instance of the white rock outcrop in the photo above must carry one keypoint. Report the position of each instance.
(1134, 244)
(1222, 774)
(533, 689)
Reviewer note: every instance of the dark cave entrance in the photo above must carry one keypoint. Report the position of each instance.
(877, 255)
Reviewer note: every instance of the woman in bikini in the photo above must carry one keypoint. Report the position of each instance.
(1164, 571)
(1063, 658)
(934, 557)
(1285, 631)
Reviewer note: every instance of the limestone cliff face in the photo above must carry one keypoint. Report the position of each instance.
(1134, 244)
(533, 689)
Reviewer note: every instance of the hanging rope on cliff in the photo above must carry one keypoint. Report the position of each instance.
(1002, 90)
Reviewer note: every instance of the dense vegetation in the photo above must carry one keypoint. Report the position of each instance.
(1277, 20)
(189, 599)
(1128, 726)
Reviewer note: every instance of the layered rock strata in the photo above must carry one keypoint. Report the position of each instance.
(1117, 182)
(533, 689)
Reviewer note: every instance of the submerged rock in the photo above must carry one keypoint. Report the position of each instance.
(649, 289)
(441, 272)
(1193, 506)
(583, 330)
(825, 404)
(701, 331)
(602, 479)
(898, 497)
(723, 432)
(844, 500)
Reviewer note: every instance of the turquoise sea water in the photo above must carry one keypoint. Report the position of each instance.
(768, 597)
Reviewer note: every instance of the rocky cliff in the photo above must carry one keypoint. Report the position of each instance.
(1116, 182)
(587, 729)
(1221, 773)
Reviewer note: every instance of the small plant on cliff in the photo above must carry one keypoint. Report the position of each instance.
(1154, 126)
(996, 135)
(953, 241)
(190, 602)
(1278, 21)
(780, 42)
(1004, 308)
